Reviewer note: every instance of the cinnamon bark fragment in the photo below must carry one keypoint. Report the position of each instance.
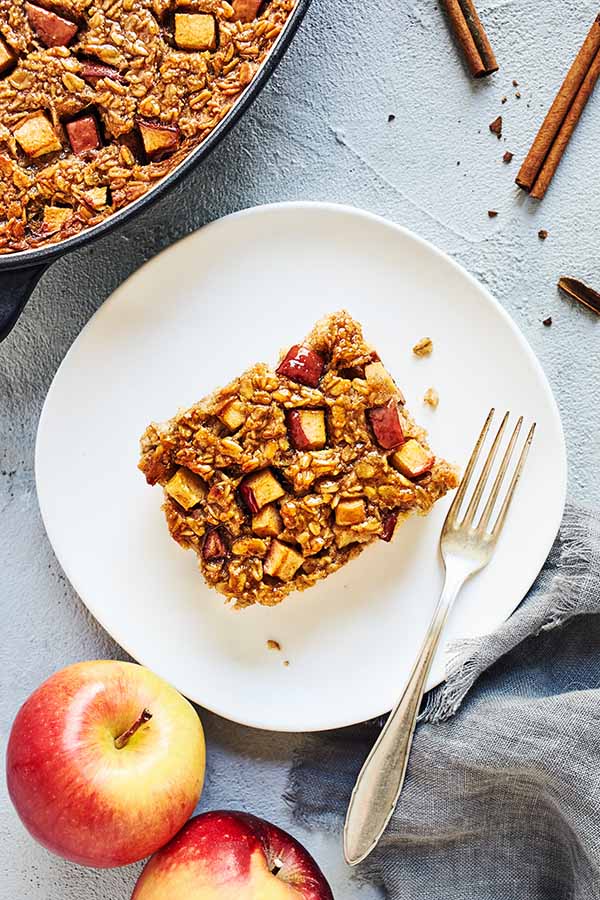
(580, 292)
(470, 34)
(496, 127)
(547, 150)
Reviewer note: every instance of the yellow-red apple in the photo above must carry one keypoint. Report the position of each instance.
(105, 763)
(232, 856)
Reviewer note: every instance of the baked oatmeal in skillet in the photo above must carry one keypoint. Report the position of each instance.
(283, 476)
(100, 99)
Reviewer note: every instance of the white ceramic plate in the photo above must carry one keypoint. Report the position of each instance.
(191, 319)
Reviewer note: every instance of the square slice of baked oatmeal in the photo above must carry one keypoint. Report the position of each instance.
(280, 478)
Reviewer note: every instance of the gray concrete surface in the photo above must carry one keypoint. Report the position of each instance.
(320, 131)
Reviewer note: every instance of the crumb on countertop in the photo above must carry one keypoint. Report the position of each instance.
(547, 322)
(496, 127)
(508, 157)
(431, 397)
(542, 234)
(273, 645)
(424, 347)
(492, 213)
(286, 662)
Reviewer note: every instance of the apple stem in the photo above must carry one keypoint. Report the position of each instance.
(123, 739)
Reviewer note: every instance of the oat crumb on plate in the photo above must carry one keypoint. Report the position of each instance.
(424, 347)
(273, 645)
(431, 397)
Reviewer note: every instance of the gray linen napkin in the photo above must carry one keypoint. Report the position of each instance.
(502, 797)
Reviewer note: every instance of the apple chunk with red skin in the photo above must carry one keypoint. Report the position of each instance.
(83, 134)
(95, 72)
(385, 422)
(214, 547)
(246, 10)
(259, 489)
(231, 855)
(303, 365)
(53, 30)
(158, 140)
(105, 763)
(412, 459)
(307, 428)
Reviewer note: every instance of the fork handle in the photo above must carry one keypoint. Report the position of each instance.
(379, 784)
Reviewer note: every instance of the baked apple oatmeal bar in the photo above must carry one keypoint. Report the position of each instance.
(283, 476)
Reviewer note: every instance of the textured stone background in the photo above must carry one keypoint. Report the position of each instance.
(320, 131)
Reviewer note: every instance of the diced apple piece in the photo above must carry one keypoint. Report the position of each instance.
(282, 561)
(83, 134)
(303, 365)
(389, 521)
(96, 198)
(378, 377)
(246, 10)
(267, 522)
(55, 217)
(307, 428)
(186, 488)
(345, 537)
(7, 57)
(159, 140)
(195, 31)
(94, 72)
(53, 30)
(259, 489)
(214, 547)
(412, 459)
(37, 136)
(350, 512)
(233, 415)
(385, 422)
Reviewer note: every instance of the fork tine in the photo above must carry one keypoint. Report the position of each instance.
(514, 481)
(462, 488)
(489, 506)
(483, 478)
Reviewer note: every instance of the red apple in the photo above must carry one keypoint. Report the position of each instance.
(385, 422)
(303, 365)
(232, 856)
(105, 763)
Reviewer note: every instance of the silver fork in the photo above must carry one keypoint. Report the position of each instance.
(466, 548)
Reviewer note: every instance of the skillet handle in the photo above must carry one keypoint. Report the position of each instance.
(16, 287)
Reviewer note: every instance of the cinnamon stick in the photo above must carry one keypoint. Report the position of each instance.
(580, 292)
(472, 38)
(549, 145)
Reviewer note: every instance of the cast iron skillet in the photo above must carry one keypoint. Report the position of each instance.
(20, 272)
